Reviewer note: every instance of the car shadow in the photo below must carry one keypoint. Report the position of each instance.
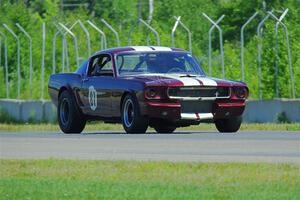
(147, 133)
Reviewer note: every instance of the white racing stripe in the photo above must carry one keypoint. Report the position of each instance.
(206, 116)
(193, 116)
(161, 48)
(142, 48)
(188, 116)
(193, 81)
(207, 81)
(187, 81)
(151, 48)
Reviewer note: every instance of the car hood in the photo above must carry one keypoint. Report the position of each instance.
(181, 80)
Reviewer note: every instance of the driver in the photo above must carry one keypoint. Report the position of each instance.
(163, 63)
(153, 64)
(169, 62)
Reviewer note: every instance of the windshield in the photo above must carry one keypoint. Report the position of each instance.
(157, 62)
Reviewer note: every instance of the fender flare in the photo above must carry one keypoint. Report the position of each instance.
(69, 89)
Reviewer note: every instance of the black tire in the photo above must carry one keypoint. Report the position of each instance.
(164, 129)
(132, 120)
(232, 124)
(70, 119)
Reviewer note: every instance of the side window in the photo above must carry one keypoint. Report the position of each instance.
(106, 64)
(101, 65)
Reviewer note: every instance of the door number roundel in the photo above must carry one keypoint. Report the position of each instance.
(92, 97)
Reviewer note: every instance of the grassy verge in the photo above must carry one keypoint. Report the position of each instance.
(118, 127)
(71, 179)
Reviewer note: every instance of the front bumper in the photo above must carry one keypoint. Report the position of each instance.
(173, 111)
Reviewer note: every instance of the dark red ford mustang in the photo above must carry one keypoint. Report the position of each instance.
(143, 86)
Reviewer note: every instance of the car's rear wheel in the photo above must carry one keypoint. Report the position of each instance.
(69, 117)
(164, 129)
(132, 120)
(228, 125)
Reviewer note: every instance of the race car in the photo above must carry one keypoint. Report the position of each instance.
(142, 86)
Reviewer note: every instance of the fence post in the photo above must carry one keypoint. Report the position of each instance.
(152, 30)
(133, 25)
(242, 44)
(18, 58)
(54, 49)
(215, 24)
(188, 32)
(279, 21)
(43, 59)
(259, 47)
(103, 37)
(30, 57)
(113, 30)
(75, 41)
(64, 48)
(0, 51)
(5, 65)
(173, 31)
(66, 54)
(86, 33)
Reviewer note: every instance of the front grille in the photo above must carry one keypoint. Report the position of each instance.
(199, 92)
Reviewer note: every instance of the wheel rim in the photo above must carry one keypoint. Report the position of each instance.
(64, 112)
(128, 113)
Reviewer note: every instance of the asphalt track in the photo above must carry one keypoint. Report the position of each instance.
(246, 146)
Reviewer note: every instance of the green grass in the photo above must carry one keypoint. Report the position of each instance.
(73, 179)
(118, 127)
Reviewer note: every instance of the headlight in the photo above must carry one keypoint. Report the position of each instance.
(151, 93)
(155, 93)
(240, 92)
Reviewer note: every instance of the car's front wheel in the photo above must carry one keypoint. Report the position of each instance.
(228, 125)
(132, 120)
(69, 117)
